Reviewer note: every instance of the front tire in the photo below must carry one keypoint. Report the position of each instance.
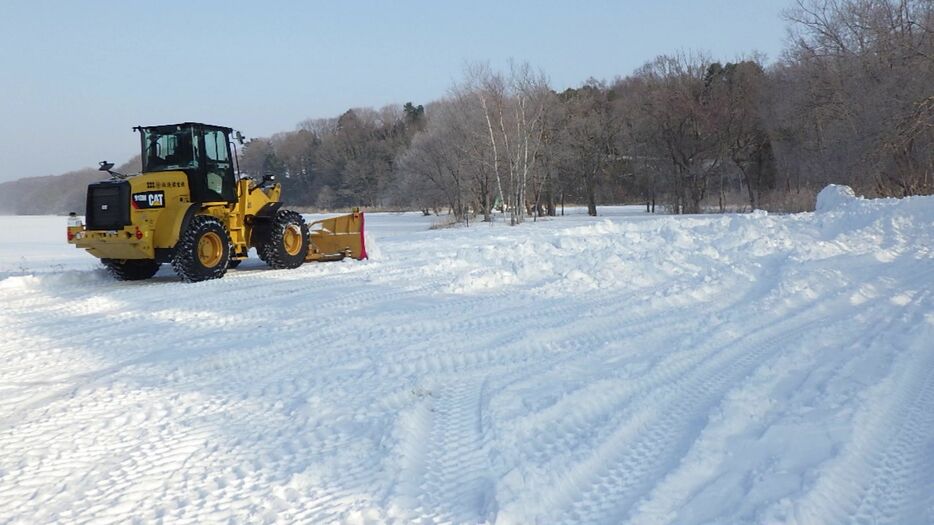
(287, 243)
(203, 251)
(131, 269)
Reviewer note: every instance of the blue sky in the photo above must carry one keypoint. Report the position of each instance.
(76, 76)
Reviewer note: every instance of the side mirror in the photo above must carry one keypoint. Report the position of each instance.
(239, 137)
(107, 166)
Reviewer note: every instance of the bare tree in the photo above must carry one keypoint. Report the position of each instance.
(590, 134)
(513, 110)
(434, 159)
(869, 67)
(737, 89)
(684, 125)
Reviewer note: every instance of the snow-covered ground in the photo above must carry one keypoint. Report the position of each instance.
(625, 368)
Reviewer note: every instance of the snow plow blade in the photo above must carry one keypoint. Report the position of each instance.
(338, 237)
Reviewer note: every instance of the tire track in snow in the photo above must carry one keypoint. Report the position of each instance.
(103, 324)
(885, 472)
(899, 478)
(527, 345)
(582, 413)
(601, 486)
(455, 484)
(262, 365)
(748, 408)
(442, 461)
(581, 341)
(501, 367)
(479, 352)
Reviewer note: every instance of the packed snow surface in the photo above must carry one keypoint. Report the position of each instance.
(626, 368)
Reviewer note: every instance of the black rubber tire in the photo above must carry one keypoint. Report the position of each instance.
(131, 269)
(273, 252)
(186, 262)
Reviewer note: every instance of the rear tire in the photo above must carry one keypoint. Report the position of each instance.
(203, 251)
(131, 269)
(287, 242)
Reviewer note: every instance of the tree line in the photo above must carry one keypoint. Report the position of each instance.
(850, 101)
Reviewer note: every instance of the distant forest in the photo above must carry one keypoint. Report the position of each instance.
(851, 100)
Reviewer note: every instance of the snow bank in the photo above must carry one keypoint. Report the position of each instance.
(622, 369)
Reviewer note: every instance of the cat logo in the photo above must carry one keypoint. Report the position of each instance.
(149, 199)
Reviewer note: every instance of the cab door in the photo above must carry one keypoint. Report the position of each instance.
(218, 168)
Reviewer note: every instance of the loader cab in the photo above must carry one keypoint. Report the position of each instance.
(202, 151)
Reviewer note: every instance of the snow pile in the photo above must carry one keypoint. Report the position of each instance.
(621, 369)
(834, 196)
(373, 251)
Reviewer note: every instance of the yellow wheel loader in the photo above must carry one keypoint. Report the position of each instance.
(189, 208)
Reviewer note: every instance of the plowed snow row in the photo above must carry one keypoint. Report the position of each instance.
(627, 368)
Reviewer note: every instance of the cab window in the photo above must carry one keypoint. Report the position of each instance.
(170, 149)
(215, 146)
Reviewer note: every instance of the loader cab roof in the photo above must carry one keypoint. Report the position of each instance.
(200, 150)
(185, 125)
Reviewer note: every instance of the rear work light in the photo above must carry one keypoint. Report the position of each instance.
(73, 222)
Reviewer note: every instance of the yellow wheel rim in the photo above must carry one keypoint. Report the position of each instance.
(210, 250)
(292, 239)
